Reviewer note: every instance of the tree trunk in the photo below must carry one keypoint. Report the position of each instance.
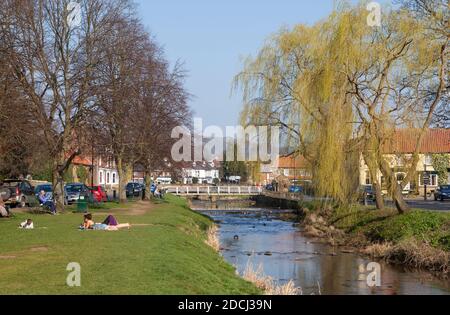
(148, 184)
(400, 202)
(58, 187)
(395, 188)
(122, 180)
(379, 201)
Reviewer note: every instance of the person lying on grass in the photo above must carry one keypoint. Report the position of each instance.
(27, 225)
(110, 224)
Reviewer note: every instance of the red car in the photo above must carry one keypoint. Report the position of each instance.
(99, 193)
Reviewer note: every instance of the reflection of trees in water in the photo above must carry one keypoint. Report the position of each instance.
(390, 282)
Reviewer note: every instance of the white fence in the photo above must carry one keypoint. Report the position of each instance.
(214, 190)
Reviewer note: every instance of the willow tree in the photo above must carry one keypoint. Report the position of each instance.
(341, 88)
(293, 83)
(395, 65)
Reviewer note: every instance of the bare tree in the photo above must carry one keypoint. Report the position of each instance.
(52, 59)
(163, 106)
(120, 77)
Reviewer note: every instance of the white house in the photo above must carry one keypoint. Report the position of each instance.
(206, 173)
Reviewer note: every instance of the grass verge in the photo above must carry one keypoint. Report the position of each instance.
(164, 253)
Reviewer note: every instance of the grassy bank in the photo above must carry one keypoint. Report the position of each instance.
(418, 238)
(164, 253)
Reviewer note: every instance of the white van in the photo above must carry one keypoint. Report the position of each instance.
(164, 180)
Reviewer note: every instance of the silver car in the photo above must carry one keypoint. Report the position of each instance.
(77, 192)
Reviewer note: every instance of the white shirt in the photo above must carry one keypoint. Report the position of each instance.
(24, 225)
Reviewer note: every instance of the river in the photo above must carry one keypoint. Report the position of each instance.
(285, 254)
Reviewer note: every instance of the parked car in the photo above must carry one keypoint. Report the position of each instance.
(270, 187)
(76, 192)
(134, 189)
(48, 188)
(17, 193)
(368, 192)
(164, 180)
(442, 193)
(98, 193)
(296, 189)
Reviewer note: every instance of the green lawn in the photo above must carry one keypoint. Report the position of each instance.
(426, 226)
(166, 254)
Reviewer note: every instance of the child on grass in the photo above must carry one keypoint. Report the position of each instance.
(27, 225)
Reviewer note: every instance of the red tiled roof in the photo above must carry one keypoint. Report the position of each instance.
(405, 141)
(288, 161)
(81, 160)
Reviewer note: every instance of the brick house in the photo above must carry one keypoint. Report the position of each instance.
(293, 167)
(401, 148)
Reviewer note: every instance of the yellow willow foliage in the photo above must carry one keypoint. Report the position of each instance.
(301, 77)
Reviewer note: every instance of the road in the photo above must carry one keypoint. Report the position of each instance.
(430, 204)
(417, 203)
(427, 205)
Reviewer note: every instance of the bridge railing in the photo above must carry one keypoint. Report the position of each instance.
(214, 190)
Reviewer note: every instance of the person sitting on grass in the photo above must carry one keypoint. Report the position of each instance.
(47, 202)
(4, 213)
(158, 193)
(110, 224)
(27, 225)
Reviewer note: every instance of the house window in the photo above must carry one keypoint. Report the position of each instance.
(434, 180)
(400, 160)
(428, 159)
(101, 178)
(107, 178)
(114, 178)
(400, 177)
(368, 178)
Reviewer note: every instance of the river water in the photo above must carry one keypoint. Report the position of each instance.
(285, 254)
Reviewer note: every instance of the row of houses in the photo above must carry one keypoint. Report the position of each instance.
(397, 152)
(291, 167)
(98, 171)
(201, 172)
(102, 171)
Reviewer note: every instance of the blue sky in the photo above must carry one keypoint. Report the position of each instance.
(212, 36)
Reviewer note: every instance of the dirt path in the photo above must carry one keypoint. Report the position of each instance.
(137, 209)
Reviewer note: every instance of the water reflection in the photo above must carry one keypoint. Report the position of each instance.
(286, 254)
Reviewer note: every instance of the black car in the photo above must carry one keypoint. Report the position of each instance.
(134, 189)
(367, 193)
(442, 193)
